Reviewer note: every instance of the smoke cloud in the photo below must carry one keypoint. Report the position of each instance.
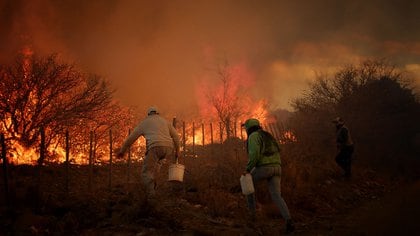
(158, 52)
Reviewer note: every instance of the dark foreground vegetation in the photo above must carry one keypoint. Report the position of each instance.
(208, 202)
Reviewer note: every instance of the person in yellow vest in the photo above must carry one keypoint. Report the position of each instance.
(345, 146)
(162, 141)
(264, 164)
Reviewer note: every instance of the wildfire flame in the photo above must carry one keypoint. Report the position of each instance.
(209, 131)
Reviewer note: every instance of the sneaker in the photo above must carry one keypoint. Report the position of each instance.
(290, 226)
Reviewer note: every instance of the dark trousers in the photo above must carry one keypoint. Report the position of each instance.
(343, 159)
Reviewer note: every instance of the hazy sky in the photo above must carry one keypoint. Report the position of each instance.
(159, 52)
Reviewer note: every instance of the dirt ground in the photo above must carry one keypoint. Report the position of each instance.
(365, 205)
(394, 213)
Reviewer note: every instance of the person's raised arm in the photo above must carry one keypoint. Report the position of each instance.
(137, 132)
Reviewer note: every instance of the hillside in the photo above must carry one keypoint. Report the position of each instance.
(368, 204)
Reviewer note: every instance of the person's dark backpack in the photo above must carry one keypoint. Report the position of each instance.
(270, 144)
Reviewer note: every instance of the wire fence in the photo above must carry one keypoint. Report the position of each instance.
(193, 136)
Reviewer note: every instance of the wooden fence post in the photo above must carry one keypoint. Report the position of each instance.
(270, 129)
(94, 149)
(129, 161)
(202, 131)
(211, 139)
(110, 160)
(228, 129)
(193, 136)
(67, 161)
(183, 137)
(211, 134)
(235, 132)
(221, 132)
(41, 159)
(275, 131)
(280, 131)
(42, 147)
(90, 160)
(242, 133)
(5, 174)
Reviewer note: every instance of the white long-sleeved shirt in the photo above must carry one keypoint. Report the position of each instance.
(156, 130)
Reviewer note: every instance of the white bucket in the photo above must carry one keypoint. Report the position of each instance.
(176, 172)
(247, 185)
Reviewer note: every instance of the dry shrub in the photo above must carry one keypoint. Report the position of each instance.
(219, 202)
(303, 169)
(217, 166)
(214, 176)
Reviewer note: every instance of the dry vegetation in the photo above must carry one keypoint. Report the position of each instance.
(208, 202)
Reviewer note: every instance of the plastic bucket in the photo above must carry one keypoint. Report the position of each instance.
(176, 172)
(247, 185)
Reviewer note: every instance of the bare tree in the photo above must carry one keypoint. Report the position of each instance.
(327, 91)
(374, 100)
(43, 92)
(226, 100)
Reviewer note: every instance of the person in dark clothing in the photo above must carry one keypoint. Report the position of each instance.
(345, 146)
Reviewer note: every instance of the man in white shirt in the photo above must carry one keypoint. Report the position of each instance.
(162, 141)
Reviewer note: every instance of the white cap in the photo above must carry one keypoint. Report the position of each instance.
(152, 110)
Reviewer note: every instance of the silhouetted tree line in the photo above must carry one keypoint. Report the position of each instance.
(377, 103)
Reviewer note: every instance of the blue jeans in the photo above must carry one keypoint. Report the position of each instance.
(271, 174)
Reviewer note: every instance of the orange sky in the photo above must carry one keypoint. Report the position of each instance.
(158, 52)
